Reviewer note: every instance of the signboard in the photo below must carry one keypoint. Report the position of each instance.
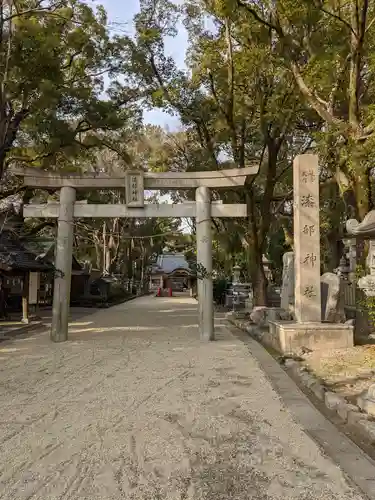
(134, 189)
(34, 284)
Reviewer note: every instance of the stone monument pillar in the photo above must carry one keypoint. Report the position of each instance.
(307, 331)
(306, 239)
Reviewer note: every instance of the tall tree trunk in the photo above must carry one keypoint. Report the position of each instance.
(361, 190)
(259, 282)
(255, 266)
(107, 260)
(335, 246)
(129, 262)
(258, 231)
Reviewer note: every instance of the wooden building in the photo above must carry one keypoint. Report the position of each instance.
(20, 272)
(45, 248)
(171, 270)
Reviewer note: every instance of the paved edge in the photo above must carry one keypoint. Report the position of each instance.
(358, 424)
(358, 466)
(354, 423)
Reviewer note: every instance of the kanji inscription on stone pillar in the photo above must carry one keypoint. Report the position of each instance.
(306, 239)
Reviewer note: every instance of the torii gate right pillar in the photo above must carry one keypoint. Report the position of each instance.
(204, 258)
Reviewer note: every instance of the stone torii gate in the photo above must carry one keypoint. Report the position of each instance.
(134, 183)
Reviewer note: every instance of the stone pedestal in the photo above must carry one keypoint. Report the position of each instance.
(289, 337)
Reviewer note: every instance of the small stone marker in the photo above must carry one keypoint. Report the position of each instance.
(332, 298)
(370, 261)
(306, 239)
(34, 285)
(287, 286)
(366, 401)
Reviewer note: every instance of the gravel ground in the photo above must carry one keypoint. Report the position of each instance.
(136, 407)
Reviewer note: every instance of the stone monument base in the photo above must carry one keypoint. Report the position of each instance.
(290, 337)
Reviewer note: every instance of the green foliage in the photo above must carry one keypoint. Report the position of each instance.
(53, 59)
(200, 271)
(364, 303)
(328, 48)
(229, 119)
(368, 305)
(220, 287)
(267, 81)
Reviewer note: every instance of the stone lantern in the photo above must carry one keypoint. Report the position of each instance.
(266, 266)
(236, 274)
(343, 270)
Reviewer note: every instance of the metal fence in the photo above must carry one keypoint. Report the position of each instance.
(350, 292)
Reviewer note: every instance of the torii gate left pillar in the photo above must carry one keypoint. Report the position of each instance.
(63, 265)
(204, 258)
(135, 182)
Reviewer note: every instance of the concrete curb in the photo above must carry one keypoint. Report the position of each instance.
(350, 414)
(351, 458)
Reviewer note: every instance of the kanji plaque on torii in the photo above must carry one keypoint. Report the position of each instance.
(134, 188)
(135, 183)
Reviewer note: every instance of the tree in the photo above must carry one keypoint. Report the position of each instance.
(121, 245)
(53, 57)
(327, 47)
(234, 119)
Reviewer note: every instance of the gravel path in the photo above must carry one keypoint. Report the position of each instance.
(136, 407)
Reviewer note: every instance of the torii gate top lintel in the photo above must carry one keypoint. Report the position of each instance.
(228, 178)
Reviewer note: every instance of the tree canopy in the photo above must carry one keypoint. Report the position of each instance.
(264, 81)
(54, 57)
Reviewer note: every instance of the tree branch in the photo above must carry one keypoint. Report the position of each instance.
(36, 229)
(318, 104)
(335, 16)
(256, 16)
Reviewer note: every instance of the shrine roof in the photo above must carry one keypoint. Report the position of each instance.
(170, 262)
(15, 256)
(45, 249)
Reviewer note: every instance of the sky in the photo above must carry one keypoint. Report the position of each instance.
(122, 12)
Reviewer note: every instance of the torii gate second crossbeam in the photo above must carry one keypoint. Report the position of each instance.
(134, 183)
